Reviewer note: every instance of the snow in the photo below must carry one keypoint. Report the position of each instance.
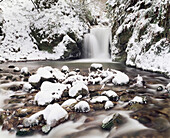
(82, 106)
(120, 78)
(79, 86)
(26, 87)
(109, 93)
(52, 114)
(68, 102)
(65, 69)
(108, 105)
(34, 78)
(44, 73)
(137, 99)
(139, 81)
(24, 70)
(18, 20)
(99, 99)
(49, 91)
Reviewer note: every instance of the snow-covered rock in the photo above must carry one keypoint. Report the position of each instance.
(82, 106)
(111, 94)
(65, 69)
(78, 88)
(99, 99)
(52, 114)
(44, 72)
(16, 69)
(95, 67)
(139, 82)
(168, 87)
(120, 78)
(68, 102)
(27, 87)
(108, 105)
(24, 70)
(49, 91)
(138, 99)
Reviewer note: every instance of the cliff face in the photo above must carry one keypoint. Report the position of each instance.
(141, 33)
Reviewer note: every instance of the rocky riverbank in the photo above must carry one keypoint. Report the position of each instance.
(44, 98)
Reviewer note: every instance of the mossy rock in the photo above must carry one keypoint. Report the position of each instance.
(25, 132)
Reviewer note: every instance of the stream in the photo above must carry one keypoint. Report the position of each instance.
(150, 120)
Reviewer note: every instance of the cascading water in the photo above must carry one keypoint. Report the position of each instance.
(96, 43)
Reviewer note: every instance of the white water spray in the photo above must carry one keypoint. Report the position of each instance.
(96, 43)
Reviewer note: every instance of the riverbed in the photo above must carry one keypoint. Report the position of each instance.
(143, 120)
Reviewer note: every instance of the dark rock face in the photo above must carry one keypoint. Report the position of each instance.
(134, 22)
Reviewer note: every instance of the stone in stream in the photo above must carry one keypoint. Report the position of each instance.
(82, 106)
(46, 129)
(1, 69)
(25, 132)
(111, 95)
(95, 67)
(16, 69)
(11, 66)
(160, 88)
(65, 69)
(112, 121)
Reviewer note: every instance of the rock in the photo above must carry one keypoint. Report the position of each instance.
(68, 102)
(82, 106)
(113, 120)
(160, 88)
(25, 71)
(111, 95)
(34, 80)
(99, 99)
(95, 67)
(168, 87)
(65, 69)
(16, 69)
(161, 124)
(138, 99)
(45, 129)
(23, 112)
(24, 132)
(77, 70)
(144, 120)
(11, 66)
(2, 117)
(98, 106)
(27, 87)
(1, 69)
(79, 88)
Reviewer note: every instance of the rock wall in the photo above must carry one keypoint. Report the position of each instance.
(141, 33)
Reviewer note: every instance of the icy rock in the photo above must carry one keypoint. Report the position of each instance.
(79, 88)
(82, 106)
(108, 105)
(95, 67)
(99, 99)
(111, 94)
(27, 87)
(16, 69)
(52, 114)
(65, 69)
(138, 99)
(120, 78)
(168, 87)
(49, 91)
(68, 102)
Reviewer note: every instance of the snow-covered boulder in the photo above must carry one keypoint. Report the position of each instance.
(16, 69)
(45, 73)
(49, 91)
(79, 88)
(95, 67)
(111, 95)
(25, 71)
(82, 106)
(108, 105)
(69, 102)
(99, 99)
(65, 69)
(138, 99)
(120, 78)
(74, 79)
(27, 87)
(52, 114)
(34, 80)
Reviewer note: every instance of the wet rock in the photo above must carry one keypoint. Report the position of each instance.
(112, 121)
(98, 106)
(9, 77)
(11, 66)
(15, 87)
(23, 112)
(24, 132)
(1, 69)
(160, 88)
(95, 67)
(18, 96)
(135, 106)
(45, 129)
(161, 124)
(2, 117)
(144, 120)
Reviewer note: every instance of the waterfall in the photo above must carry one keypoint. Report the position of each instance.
(96, 43)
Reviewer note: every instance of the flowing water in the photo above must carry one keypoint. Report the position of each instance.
(82, 128)
(96, 43)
